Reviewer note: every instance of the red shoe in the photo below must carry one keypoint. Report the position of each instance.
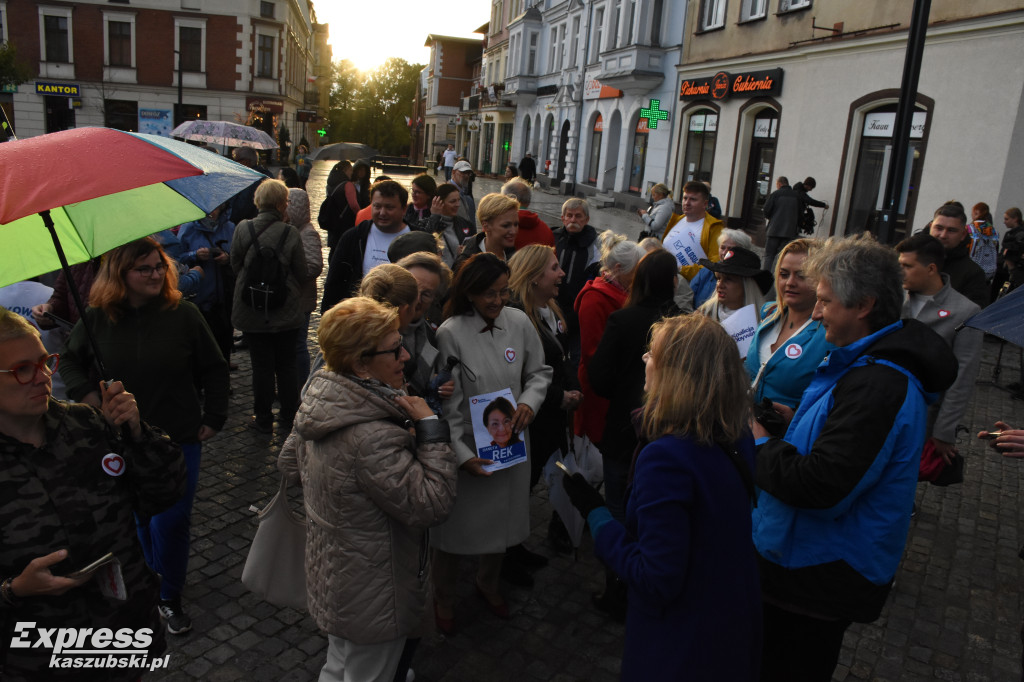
(446, 626)
(499, 610)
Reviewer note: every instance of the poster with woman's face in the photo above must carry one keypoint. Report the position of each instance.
(492, 429)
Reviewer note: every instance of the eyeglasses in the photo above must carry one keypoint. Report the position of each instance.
(146, 271)
(495, 294)
(396, 351)
(25, 372)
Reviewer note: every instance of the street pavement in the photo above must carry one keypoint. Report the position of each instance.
(954, 614)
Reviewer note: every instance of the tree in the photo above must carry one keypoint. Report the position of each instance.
(13, 72)
(370, 107)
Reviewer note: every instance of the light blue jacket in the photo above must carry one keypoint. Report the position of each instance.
(790, 369)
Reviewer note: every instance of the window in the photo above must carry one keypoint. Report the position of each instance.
(265, 57)
(56, 34)
(121, 114)
(659, 8)
(267, 10)
(531, 66)
(613, 36)
(575, 41)
(638, 161)
(551, 49)
(753, 9)
(712, 14)
(595, 151)
(3, 22)
(598, 31)
(561, 47)
(630, 39)
(190, 41)
(791, 5)
(119, 43)
(700, 146)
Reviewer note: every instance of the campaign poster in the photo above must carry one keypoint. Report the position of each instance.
(156, 121)
(492, 429)
(741, 326)
(684, 245)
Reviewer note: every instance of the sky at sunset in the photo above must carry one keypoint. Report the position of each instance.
(369, 32)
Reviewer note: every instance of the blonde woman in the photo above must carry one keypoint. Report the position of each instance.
(740, 282)
(788, 345)
(599, 298)
(536, 277)
(372, 487)
(684, 550)
(498, 216)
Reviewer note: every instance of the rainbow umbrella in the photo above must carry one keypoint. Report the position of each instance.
(93, 189)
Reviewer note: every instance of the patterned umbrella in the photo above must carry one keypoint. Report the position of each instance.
(224, 132)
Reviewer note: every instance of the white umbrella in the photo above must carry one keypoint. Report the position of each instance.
(225, 133)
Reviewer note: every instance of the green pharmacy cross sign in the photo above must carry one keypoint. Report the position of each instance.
(653, 114)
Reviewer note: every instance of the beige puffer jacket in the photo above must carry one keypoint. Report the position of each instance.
(371, 490)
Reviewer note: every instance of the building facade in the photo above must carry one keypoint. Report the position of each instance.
(453, 70)
(593, 85)
(809, 88)
(145, 65)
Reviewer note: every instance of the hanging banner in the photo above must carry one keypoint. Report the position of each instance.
(156, 121)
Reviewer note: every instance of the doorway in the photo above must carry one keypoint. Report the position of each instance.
(760, 167)
(59, 113)
(563, 148)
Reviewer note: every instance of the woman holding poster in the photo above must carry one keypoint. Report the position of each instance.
(501, 359)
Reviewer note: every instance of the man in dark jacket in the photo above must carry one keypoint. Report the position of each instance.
(366, 245)
(949, 226)
(837, 491)
(528, 169)
(579, 256)
(782, 209)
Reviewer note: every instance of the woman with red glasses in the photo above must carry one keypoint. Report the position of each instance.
(73, 478)
(164, 352)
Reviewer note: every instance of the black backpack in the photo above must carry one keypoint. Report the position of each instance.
(266, 280)
(807, 220)
(335, 215)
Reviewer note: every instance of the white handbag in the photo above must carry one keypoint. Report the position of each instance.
(275, 569)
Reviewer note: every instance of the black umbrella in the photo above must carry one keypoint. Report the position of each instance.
(351, 151)
(1004, 318)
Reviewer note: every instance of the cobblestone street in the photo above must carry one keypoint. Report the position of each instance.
(954, 614)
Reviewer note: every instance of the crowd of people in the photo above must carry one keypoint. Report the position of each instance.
(757, 484)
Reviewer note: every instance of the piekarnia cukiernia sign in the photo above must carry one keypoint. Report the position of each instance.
(724, 85)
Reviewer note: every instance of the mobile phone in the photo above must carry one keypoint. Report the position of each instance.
(87, 570)
(563, 468)
(992, 435)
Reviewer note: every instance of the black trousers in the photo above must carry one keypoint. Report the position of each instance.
(799, 648)
(273, 356)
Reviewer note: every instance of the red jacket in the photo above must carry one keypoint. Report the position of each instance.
(533, 230)
(598, 299)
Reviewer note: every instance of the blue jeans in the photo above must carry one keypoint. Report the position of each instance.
(448, 173)
(166, 538)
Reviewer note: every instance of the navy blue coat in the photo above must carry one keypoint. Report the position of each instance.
(686, 555)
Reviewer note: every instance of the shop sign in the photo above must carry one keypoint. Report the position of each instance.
(642, 127)
(704, 123)
(9, 87)
(724, 85)
(273, 106)
(305, 115)
(545, 90)
(883, 124)
(594, 90)
(61, 89)
(599, 124)
(473, 126)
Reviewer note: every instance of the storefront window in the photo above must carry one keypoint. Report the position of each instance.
(595, 151)
(505, 135)
(486, 166)
(760, 167)
(873, 158)
(700, 146)
(121, 114)
(639, 160)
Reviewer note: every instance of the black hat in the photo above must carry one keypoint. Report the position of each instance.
(411, 242)
(742, 263)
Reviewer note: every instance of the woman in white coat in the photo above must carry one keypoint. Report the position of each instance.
(498, 348)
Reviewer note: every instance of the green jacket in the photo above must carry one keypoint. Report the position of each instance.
(164, 357)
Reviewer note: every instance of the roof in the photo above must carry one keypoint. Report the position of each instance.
(433, 37)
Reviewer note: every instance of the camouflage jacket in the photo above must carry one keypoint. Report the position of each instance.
(80, 491)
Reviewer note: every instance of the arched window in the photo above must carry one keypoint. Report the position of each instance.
(639, 159)
(871, 169)
(702, 132)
